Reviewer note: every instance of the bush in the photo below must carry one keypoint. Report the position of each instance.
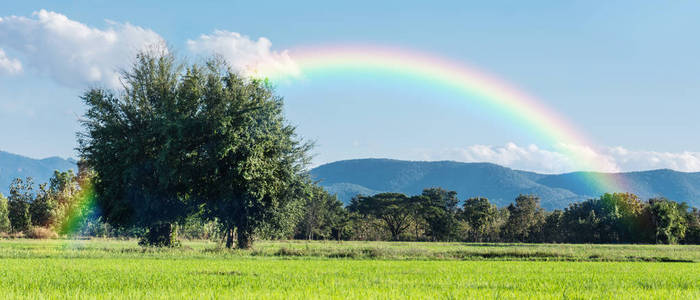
(41, 233)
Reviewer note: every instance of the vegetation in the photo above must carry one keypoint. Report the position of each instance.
(122, 269)
(200, 141)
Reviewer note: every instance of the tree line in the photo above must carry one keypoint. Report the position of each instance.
(434, 215)
(437, 215)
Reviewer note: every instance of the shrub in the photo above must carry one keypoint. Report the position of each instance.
(41, 233)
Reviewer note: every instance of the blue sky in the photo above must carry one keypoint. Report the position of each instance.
(626, 73)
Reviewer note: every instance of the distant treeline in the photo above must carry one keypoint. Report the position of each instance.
(434, 215)
(437, 215)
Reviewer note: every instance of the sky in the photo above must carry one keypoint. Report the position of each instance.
(626, 74)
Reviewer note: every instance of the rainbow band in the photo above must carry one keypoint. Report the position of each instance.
(83, 206)
(472, 83)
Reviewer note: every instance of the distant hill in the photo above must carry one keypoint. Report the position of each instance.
(13, 166)
(501, 185)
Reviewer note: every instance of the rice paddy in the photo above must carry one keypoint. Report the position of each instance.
(99, 269)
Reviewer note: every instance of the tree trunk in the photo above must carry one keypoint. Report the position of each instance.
(159, 235)
(244, 239)
(229, 238)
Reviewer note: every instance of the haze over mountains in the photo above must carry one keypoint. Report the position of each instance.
(501, 185)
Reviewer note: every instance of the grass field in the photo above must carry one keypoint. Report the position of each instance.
(121, 269)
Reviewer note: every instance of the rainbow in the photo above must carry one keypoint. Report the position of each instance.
(471, 83)
(84, 206)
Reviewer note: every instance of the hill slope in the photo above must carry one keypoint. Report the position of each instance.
(500, 184)
(13, 166)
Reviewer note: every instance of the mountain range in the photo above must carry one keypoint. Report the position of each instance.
(501, 185)
(16, 166)
(348, 178)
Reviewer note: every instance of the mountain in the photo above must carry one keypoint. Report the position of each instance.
(501, 185)
(13, 166)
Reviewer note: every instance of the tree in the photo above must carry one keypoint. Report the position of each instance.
(175, 142)
(21, 195)
(692, 235)
(622, 218)
(249, 161)
(438, 207)
(552, 231)
(141, 144)
(393, 209)
(63, 189)
(43, 208)
(525, 220)
(4, 220)
(669, 219)
(324, 216)
(479, 214)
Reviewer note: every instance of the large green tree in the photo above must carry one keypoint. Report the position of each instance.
(250, 162)
(139, 142)
(182, 139)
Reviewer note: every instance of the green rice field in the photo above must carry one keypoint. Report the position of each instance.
(87, 269)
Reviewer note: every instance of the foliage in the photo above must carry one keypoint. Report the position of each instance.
(479, 215)
(438, 207)
(4, 213)
(393, 209)
(525, 220)
(43, 208)
(21, 196)
(324, 217)
(669, 219)
(41, 233)
(179, 139)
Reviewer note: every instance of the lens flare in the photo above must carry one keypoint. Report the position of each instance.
(83, 207)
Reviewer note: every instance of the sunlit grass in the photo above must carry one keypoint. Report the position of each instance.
(120, 269)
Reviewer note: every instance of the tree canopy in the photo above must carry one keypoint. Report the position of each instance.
(179, 139)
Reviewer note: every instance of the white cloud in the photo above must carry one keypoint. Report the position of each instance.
(570, 158)
(71, 52)
(9, 65)
(249, 57)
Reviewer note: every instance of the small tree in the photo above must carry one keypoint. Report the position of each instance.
(525, 220)
(552, 231)
(4, 213)
(324, 216)
(669, 219)
(479, 214)
(438, 207)
(21, 196)
(43, 208)
(393, 209)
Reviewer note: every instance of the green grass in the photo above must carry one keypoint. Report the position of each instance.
(283, 270)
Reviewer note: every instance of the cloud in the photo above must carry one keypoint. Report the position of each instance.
(568, 159)
(71, 52)
(249, 57)
(8, 65)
